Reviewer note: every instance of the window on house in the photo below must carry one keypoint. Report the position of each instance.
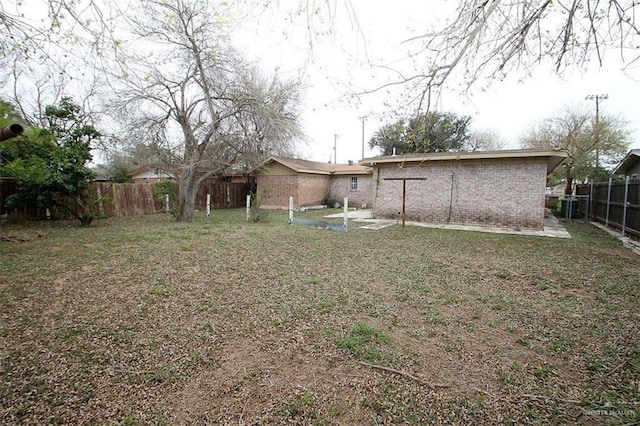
(354, 183)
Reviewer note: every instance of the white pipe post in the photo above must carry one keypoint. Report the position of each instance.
(345, 222)
(248, 208)
(290, 209)
(606, 221)
(166, 202)
(208, 205)
(624, 212)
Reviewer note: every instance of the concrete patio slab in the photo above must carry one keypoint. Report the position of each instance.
(354, 214)
(378, 224)
(551, 226)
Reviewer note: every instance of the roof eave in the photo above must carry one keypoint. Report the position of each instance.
(353, 170)
(629, 160)
(554, 158)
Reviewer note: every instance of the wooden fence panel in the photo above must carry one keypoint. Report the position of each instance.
(127, 199)
(609, 206)
(223, 195)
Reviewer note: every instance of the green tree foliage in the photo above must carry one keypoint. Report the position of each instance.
(166, 188)
(594, 148)
(120, 175)
(49, 163)
(390, 137)
(9, 114)
(428, 132)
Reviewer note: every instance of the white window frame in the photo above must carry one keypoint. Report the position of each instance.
(353, 183)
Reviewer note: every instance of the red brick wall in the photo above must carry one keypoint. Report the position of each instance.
(501, 192)
(312, 189)
(306, 189)
(363, 196)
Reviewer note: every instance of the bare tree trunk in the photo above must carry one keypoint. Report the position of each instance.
(187, 189)
(568, 190)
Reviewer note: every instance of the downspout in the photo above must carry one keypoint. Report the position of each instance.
(453, 177)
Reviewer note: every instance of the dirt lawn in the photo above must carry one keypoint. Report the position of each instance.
(145, 321)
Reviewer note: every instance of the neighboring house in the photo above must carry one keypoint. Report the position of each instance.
(630, 165)
(495, 188)
(225, 190)
(151, 173)
(311, 182)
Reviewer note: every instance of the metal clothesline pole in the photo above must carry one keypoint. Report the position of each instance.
(404, 193)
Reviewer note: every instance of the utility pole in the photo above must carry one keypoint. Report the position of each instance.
(597, 98)
(363, 137)
(335, 148)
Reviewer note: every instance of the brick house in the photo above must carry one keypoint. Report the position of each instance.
(153, 173)
(226, 190)
(493, 188)
(311, 182)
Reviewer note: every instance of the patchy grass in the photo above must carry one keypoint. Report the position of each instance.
(368, 344)
(146, 321)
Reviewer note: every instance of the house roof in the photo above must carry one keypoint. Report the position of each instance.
(554, 157)
(147, 167)
(627, 162)
(317, 167)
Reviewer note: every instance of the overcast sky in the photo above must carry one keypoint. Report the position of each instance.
(373, 31)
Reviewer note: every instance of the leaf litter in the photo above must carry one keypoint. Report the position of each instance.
(141, 321)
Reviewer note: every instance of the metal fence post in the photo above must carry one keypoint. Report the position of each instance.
(570, 208)
(606, 222)
(624, 211)
(590, 204)
(248, 213)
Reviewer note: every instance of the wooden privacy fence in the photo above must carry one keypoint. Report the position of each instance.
(127, 199)
(223, 195)
(613, 203)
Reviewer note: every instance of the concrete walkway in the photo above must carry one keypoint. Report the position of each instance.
(551, 226)
(634, 246)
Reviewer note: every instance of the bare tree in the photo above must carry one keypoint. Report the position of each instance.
(484, 140)
(493, 38)
(576, 132)
(485, 38)
(193, 96)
